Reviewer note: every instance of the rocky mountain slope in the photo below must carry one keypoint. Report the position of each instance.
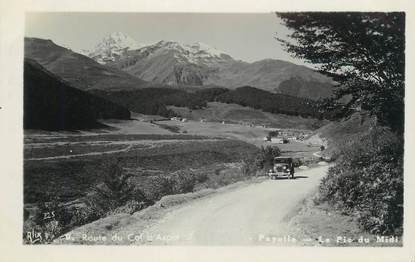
(173, 63)
(198, 64)
(80, 71)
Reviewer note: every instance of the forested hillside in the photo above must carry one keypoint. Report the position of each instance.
(269, 102)
(51, 104)
(153, 101)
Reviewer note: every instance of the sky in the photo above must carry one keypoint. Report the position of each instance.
(248, 37)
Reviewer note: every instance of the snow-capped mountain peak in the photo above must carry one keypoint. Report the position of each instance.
(197, 48)
(120, 40)
(196, 53)
(111, 47)
(116, 46)
(206, 48)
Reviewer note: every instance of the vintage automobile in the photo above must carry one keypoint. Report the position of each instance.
(282, 167)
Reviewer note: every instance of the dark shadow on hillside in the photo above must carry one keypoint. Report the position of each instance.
(52, 104)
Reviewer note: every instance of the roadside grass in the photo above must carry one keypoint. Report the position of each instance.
(68, 179)
(367, 181)
(123, 224)
(77, 188)
(318, 222)
(164, 190)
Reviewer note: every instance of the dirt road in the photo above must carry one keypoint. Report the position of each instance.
(243, 216)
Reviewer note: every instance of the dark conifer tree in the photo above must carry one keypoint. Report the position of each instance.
(363, 52)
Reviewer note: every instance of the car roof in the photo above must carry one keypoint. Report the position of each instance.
(283, 157)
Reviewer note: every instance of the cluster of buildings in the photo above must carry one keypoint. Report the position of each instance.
(286, 135)
(282, 135)
(178, 119)
(294, 134)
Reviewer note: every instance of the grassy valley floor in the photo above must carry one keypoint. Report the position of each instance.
(234, 113)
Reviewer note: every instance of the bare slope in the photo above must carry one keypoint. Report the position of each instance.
(80, 71)
(275, 76)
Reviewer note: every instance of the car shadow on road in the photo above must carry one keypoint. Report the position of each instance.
(300, 177)
(295, 177)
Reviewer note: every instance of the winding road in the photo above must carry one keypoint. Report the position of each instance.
(248, 215)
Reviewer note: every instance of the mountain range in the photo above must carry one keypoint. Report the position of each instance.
(149, 79)
(198, 64)
(120, 63)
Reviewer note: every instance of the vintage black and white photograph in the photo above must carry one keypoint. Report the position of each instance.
(214, 129)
